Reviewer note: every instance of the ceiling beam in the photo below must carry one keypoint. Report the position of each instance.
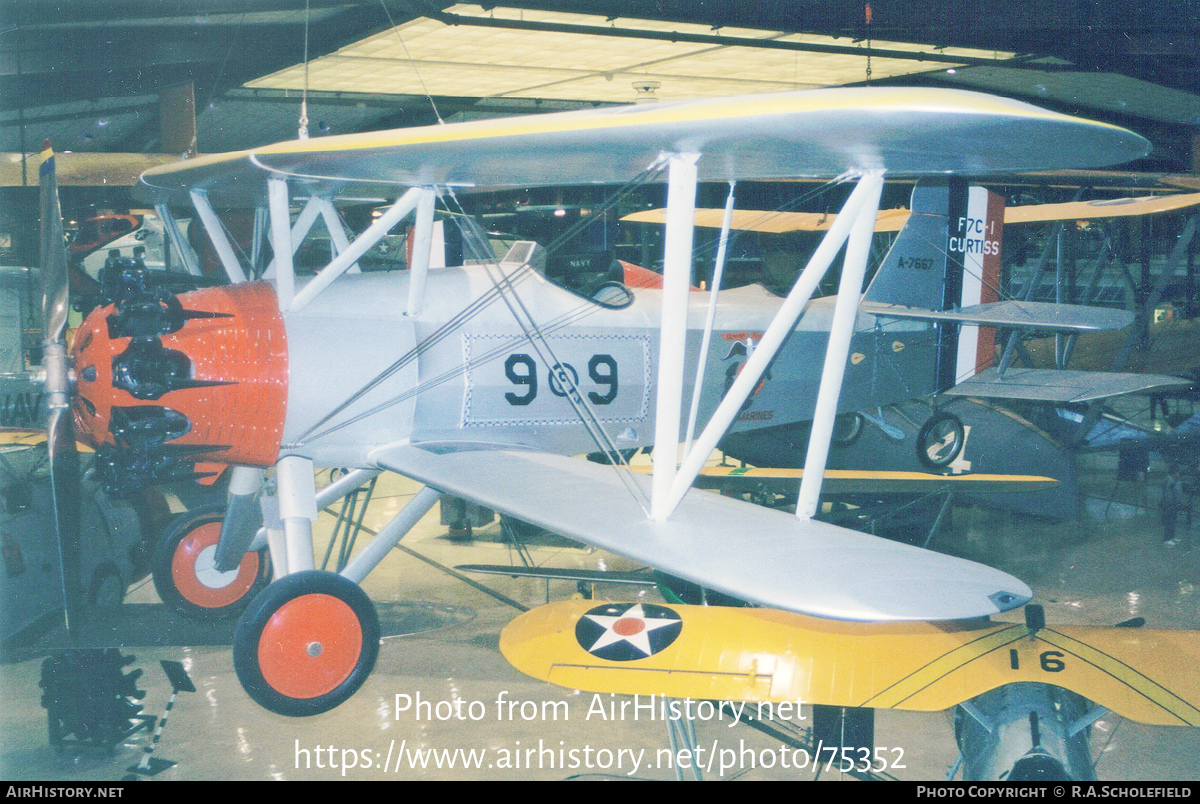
(724, 41)
(60, 65)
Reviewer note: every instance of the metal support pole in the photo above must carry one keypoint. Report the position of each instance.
(183, 248)
(216, 232)
(677, 270)
(281, 241)
(780, 327)
(845, 313)
(297, 509)
(718, 272)
(933, 529)
(391, 534)
(338, 265)
(1059, 281)
(1145, 312)
(1015, 335)
(422, 243)
(1101, 265)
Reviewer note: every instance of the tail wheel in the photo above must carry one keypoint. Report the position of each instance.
(306, 643)
(184, 572)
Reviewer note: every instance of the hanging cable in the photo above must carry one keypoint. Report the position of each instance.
(867, 17)
(412, 62)
(302, 133)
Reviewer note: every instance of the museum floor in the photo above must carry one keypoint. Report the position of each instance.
(1110, 567)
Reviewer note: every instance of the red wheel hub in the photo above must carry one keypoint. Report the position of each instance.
(309, 646)
(196, 579)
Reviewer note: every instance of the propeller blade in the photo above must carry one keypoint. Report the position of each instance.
(60, 430)
(64, 486)
(55, 304)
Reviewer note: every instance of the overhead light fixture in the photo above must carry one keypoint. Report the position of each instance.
(645, 91)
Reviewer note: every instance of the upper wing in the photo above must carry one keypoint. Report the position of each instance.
(746, 551)
(783, 135)
(763, 655)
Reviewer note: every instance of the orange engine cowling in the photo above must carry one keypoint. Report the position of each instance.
(163, 381)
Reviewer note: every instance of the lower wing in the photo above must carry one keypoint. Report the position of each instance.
(753, 553)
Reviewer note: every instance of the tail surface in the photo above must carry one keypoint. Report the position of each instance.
(947, 257)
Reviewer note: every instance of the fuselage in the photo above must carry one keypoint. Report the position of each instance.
(357, 372)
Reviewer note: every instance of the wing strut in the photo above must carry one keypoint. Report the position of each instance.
(182, 247)
(337, 232)
(259, 240)
(864, 197)
(338, 265)
(281, 240)
(422, 243)
(718, 272)
(845, 312)
(299, 230)
(677, 274)
(216, 233)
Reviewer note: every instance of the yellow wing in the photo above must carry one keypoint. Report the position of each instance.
(893, 220)
(767, 655)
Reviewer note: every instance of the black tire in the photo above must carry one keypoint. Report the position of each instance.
(188, 595)
(315, 664)
(940, 427)
(846, 429)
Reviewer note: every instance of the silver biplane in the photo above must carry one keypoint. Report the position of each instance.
(480, 381)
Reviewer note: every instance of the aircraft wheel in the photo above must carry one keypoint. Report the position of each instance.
(183, 568)
(306, 643)
(940, 440)
(846, 429)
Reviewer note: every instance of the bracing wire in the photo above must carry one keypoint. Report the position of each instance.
(536, 337)
(504, 283)
(459, 319)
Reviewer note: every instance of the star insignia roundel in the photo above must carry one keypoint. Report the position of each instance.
(623, 632)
